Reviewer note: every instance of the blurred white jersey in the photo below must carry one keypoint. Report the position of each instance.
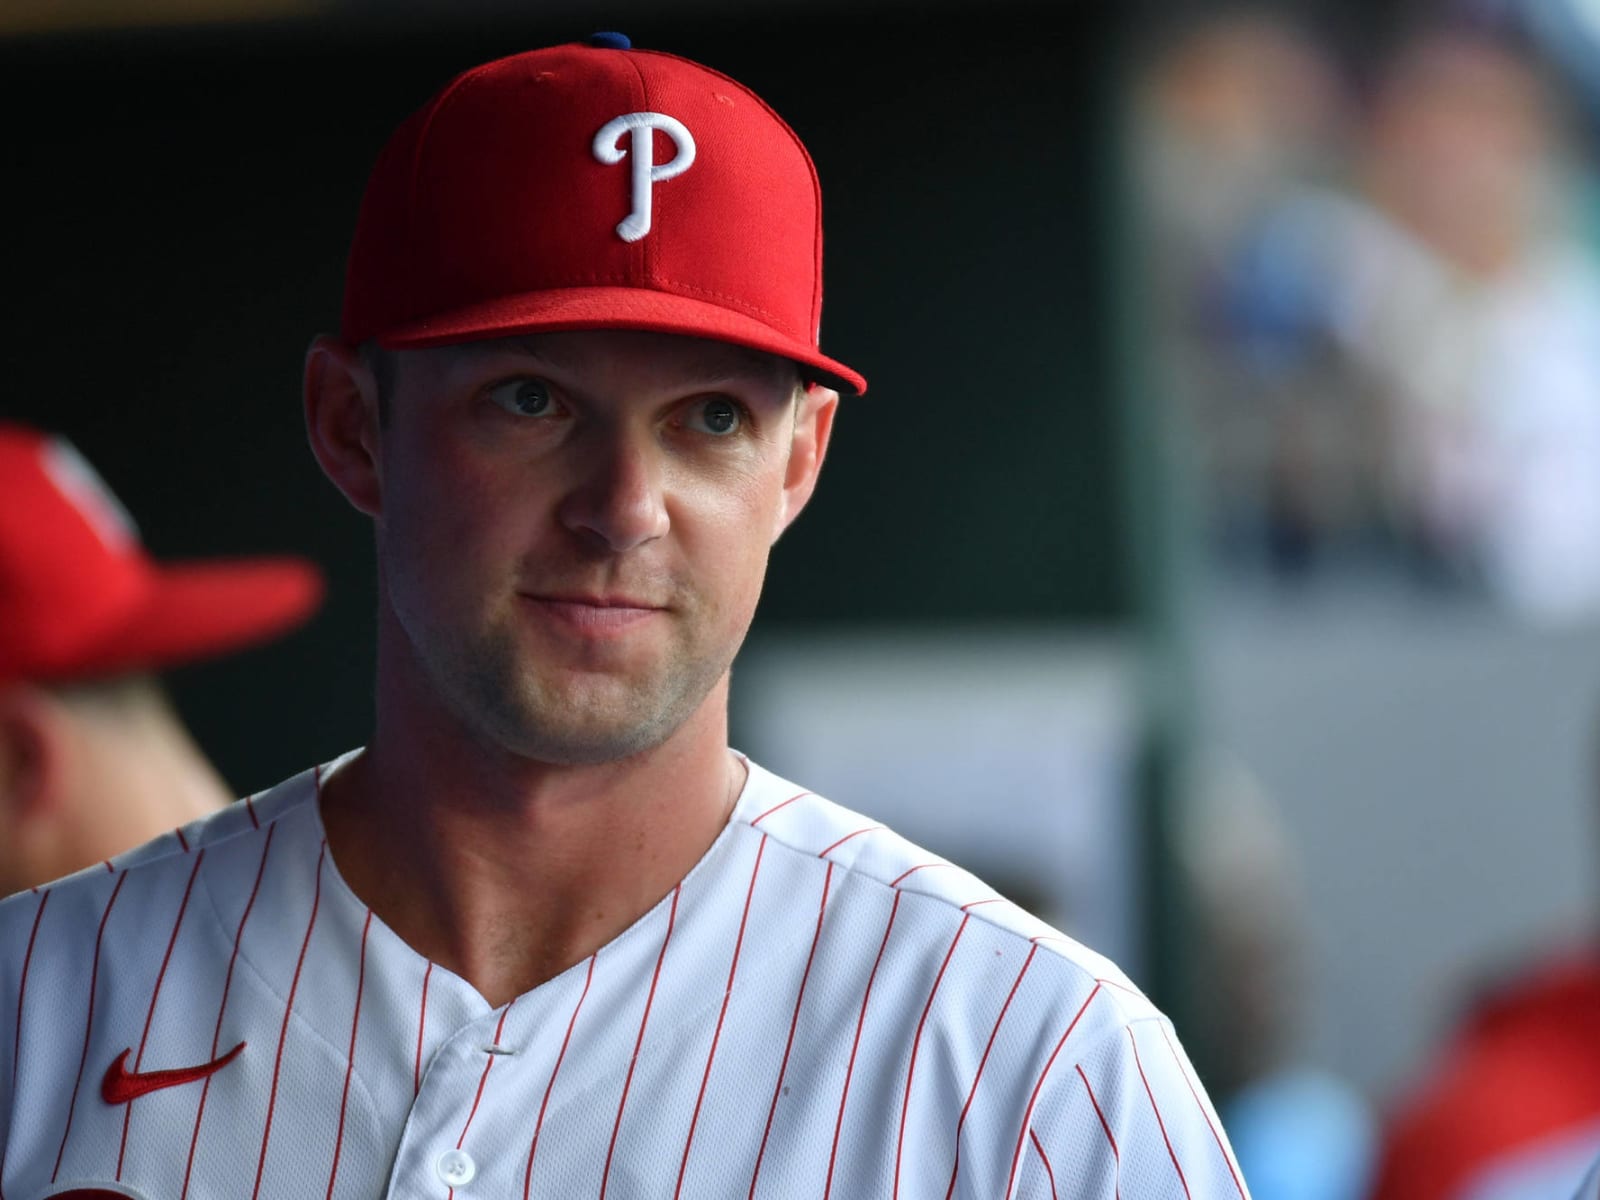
(1589, 1189)
(819, 1008)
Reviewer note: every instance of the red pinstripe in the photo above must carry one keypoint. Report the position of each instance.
(1106, 1125)
(980, 903)
(22, 994)
(1215, 1136)
(916, 1045)
(228, 983)
(846, 838)
(288, 1011)
(88, 1023)
(727, 995)
(250, 808)
(901, 878)
(1045, 1159)
(794, 1023)
(988, 1046)
(482, 1079)
(776, 807)
(422, 1023)
(1027, 1116)
(850, 1067)
(672, 916)
(527, 1176)
(150, 1016)
(1156, 1108)
(182, 841)
(355, 1024)
(106, 863)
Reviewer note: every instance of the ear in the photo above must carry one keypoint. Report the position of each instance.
(35, 753)
(32, 749)
(813, 426)
(341, 403)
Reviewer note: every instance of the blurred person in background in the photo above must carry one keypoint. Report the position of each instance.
(1385, 351)
(93, 758)
(1300, 1132)
(1388, 347)
(1240, 114)
(1509, 1108)
(1472, 303)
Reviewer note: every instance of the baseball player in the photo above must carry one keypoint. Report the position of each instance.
(547, 934)
(93, 760)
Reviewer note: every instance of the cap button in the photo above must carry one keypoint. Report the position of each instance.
(607, 40)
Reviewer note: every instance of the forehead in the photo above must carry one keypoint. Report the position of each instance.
(614, 354)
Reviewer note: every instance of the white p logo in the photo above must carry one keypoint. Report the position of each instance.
(640, 127)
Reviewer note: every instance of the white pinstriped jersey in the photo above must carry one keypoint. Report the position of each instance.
(818, 1009)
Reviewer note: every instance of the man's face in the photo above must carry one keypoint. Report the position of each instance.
(575, 526)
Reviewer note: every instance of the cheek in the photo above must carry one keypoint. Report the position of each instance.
(727, 530)
(448, 518)
(745, 491)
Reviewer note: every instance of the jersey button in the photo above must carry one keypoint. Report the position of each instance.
(456, 1168)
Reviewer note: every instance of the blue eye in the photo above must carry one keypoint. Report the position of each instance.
(717, 415)
(524, 397)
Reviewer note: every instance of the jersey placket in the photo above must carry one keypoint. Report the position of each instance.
(437, 1156)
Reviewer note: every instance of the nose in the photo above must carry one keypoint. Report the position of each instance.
(617, 501)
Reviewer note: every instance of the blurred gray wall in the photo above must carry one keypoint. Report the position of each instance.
(1436, 771)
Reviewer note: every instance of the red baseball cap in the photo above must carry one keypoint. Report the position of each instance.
(593, 187)
(80, 598)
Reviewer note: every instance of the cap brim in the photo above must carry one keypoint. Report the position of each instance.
(204, 609)
(617, 308)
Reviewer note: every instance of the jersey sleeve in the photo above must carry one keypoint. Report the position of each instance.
(1127, 1117)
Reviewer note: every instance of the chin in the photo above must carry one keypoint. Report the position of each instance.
(559, 744)
(575, 718)
(583, 728)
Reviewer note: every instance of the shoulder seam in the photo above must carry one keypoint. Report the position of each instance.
(256, 824)
(969, 912)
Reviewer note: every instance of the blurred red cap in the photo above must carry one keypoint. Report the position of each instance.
(80, 598)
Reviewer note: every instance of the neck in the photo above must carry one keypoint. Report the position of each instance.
(508, 871)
